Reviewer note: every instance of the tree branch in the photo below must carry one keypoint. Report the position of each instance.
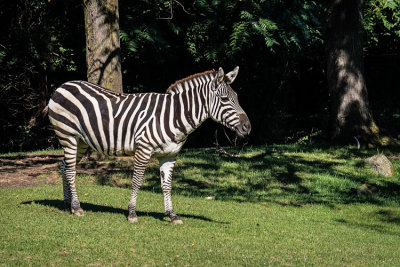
(172, 12)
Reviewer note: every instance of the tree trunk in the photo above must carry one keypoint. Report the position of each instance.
(102, 43)
(350, 111)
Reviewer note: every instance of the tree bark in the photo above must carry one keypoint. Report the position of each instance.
(102, 43)
(350, 111)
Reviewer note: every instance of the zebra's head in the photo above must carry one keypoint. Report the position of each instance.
(224, 104)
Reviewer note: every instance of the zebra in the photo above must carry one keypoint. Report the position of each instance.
(141, 125)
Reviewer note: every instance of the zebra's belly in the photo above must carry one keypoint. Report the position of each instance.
(128, 150)
(124, 153)
(168, 149)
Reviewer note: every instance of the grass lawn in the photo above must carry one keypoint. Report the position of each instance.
(274, 205)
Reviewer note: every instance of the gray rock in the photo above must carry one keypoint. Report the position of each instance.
(380, 164)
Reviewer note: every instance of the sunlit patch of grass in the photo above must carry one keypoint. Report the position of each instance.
(37, 230)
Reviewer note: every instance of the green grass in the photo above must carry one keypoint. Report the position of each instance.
(37, 152)
(275, 205)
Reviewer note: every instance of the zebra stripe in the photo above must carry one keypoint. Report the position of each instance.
(144, 125)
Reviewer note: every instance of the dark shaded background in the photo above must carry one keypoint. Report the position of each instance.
(279, 46)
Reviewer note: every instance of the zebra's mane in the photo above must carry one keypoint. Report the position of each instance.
(173, 87)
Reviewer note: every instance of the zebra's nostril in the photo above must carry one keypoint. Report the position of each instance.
(246, 126)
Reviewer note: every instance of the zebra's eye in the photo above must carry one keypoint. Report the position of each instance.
(224, 98)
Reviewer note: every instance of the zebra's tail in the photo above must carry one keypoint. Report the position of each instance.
(40, 118)
(45, 112)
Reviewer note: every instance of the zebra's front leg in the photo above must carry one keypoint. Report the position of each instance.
(140, 163)
(166, 168)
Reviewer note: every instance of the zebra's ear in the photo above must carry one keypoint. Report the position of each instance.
(220, 77)
(231, 76)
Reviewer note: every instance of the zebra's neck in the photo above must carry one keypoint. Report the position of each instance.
(192, 96)
(197, 80)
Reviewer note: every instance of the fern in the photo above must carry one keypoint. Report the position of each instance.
(239, 36)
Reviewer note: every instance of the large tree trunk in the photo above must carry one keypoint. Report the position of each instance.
(350, 111)
(102, 43)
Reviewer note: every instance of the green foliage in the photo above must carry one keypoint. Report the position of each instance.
(216, 31)
(235, 26)
(37, 53)
(382, 25)
(295, 24)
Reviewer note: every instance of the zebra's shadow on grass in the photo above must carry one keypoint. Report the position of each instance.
(59, 204)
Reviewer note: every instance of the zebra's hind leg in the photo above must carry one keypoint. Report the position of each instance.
(66, 190)
(166, 168)
(141, 159)
(81, 149)
(73, 152)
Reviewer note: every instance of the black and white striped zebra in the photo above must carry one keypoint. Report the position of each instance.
(144, 125)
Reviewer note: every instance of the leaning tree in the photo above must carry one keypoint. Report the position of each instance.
(350, 111)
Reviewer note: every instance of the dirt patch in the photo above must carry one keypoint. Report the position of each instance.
(29, 170)
(36, 170)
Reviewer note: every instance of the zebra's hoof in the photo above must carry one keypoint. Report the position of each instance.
(174, 218)
(178, 221)
(78, 212)
(132, 219)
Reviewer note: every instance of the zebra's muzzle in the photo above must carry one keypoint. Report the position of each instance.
(244, 127)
